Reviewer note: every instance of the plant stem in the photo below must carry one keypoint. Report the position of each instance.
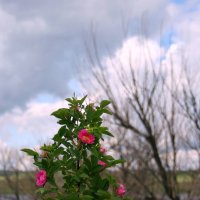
(78, 166)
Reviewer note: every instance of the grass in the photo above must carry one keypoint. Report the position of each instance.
(184, 178)
(27, 185)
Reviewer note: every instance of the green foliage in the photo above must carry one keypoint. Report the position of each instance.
(77, 161)
(30, 152)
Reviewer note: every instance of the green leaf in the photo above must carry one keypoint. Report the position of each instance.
(72, 196)
(108, 157)
(44, 191)
(104, 184)
(104, 103)
(95, 152)
(54, 167)
(40, 191)
(69, 100)
(58, 151)
(115, 162)
(96, 169)
(108, 133)
(106, 111)
(87, 163)
(94, 160)
(45, 147)
(62, 121)
(103, 194)
(89, 113)
(115, 198)
(83, 175)
(38, 164)
(44, 164)
(62, 131)
(86, 197)
(82, 100)
(70, 163)
(30, 152)
(60, 113)
(51, 181)
(65, 143)
(111, 180)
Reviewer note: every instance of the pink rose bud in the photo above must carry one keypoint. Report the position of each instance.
(121, 190)
(102, 149)
(86, 137)
(41, 178)
(103, 164)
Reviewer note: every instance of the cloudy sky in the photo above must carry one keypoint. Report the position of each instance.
(42, 49)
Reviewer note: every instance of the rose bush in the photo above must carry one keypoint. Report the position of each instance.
(77, 156)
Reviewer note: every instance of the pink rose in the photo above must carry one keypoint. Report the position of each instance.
(102, 150)
(121, 190)
(103, 164)
(86, 137)
(41, 177)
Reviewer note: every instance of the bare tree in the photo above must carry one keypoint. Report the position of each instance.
(188, 100)
(143, 105)
(190, 107)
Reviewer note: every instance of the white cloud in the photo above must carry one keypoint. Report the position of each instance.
(34, 120)
(40, 42)
(185, 20)
(2, 144)
(184, 23)
(33, 26)
(136, 53)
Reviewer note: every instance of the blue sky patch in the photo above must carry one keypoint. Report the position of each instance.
(46, 98)
(167, 39)
(178, 1)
